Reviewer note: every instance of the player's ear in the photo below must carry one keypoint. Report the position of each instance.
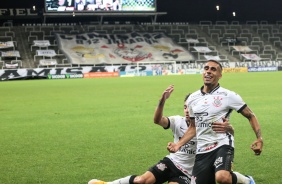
(220, 75)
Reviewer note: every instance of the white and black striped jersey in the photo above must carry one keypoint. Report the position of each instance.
(207, 108)
(184, 158)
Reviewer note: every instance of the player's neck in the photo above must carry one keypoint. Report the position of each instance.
(209, 87)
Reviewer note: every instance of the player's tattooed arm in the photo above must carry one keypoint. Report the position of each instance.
(257, 145)
(250, 115)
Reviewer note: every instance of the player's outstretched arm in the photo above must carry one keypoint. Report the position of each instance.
(158, 115)
(257, 145)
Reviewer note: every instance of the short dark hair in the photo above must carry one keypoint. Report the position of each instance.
(214, 61)
(186, 97)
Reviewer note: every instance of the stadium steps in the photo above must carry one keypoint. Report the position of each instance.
(24, 48)
(222, 50)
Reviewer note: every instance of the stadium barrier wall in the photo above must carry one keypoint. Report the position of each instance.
(112, 71)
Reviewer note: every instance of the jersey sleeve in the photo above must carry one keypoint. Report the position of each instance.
(171, 120)
(174, 122)
(236, 102)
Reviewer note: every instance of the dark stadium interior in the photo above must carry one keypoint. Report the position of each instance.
(191, 11)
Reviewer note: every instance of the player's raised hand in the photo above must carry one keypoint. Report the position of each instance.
(168, 91)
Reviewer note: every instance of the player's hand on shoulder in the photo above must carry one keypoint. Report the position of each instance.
(223, 127)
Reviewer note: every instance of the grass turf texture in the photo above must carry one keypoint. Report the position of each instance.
(70, 131)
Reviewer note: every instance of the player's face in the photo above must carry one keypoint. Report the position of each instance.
(186, 113)
(212, 73)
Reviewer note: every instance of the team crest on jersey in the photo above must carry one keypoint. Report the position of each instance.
(217, 101)
(161, 166)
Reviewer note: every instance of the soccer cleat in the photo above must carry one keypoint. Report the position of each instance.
(252, 181)
(95, 181)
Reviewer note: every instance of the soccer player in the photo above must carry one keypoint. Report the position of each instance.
(175, 167)
(215, 150)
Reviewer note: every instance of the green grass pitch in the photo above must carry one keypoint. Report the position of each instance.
(70, 131)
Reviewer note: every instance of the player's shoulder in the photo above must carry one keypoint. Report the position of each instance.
(195, 94)
(225, 92)
(176, 119)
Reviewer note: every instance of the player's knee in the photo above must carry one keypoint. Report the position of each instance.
(173, 182)
(139, 180)
(144, 179)
(223, 177)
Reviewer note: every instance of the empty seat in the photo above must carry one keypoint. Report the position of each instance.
(266, 57)
(229, 35)
(245, 30)
(191, 35)
(185, 28)
(267, 47)
(279, 57)
(6, 38)
(91, 28)
(220, 27)
(261, 31)
(243, 40)
(127, 28)
(273, 39)
(35, 35)
(271, 52)
(255, 49)
(248, 35)
(250, 22)
(277, 34)
(175, 37)
(269, 27)
(234, 31)
(166, 27)
(221, 22)
(119, 31)
(256, 39)
(178, 31)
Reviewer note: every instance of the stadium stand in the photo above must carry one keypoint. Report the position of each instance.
(262, 38)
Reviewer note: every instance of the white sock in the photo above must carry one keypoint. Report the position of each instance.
(241, 179)
(124, 180)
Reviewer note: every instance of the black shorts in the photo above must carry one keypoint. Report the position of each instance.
(207, 164)
(166, 171)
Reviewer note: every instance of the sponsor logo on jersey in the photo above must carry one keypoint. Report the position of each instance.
(204, 125)
(188, 148)
(208, 147)
(222, 93)
(218, 162)
(180, 168)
